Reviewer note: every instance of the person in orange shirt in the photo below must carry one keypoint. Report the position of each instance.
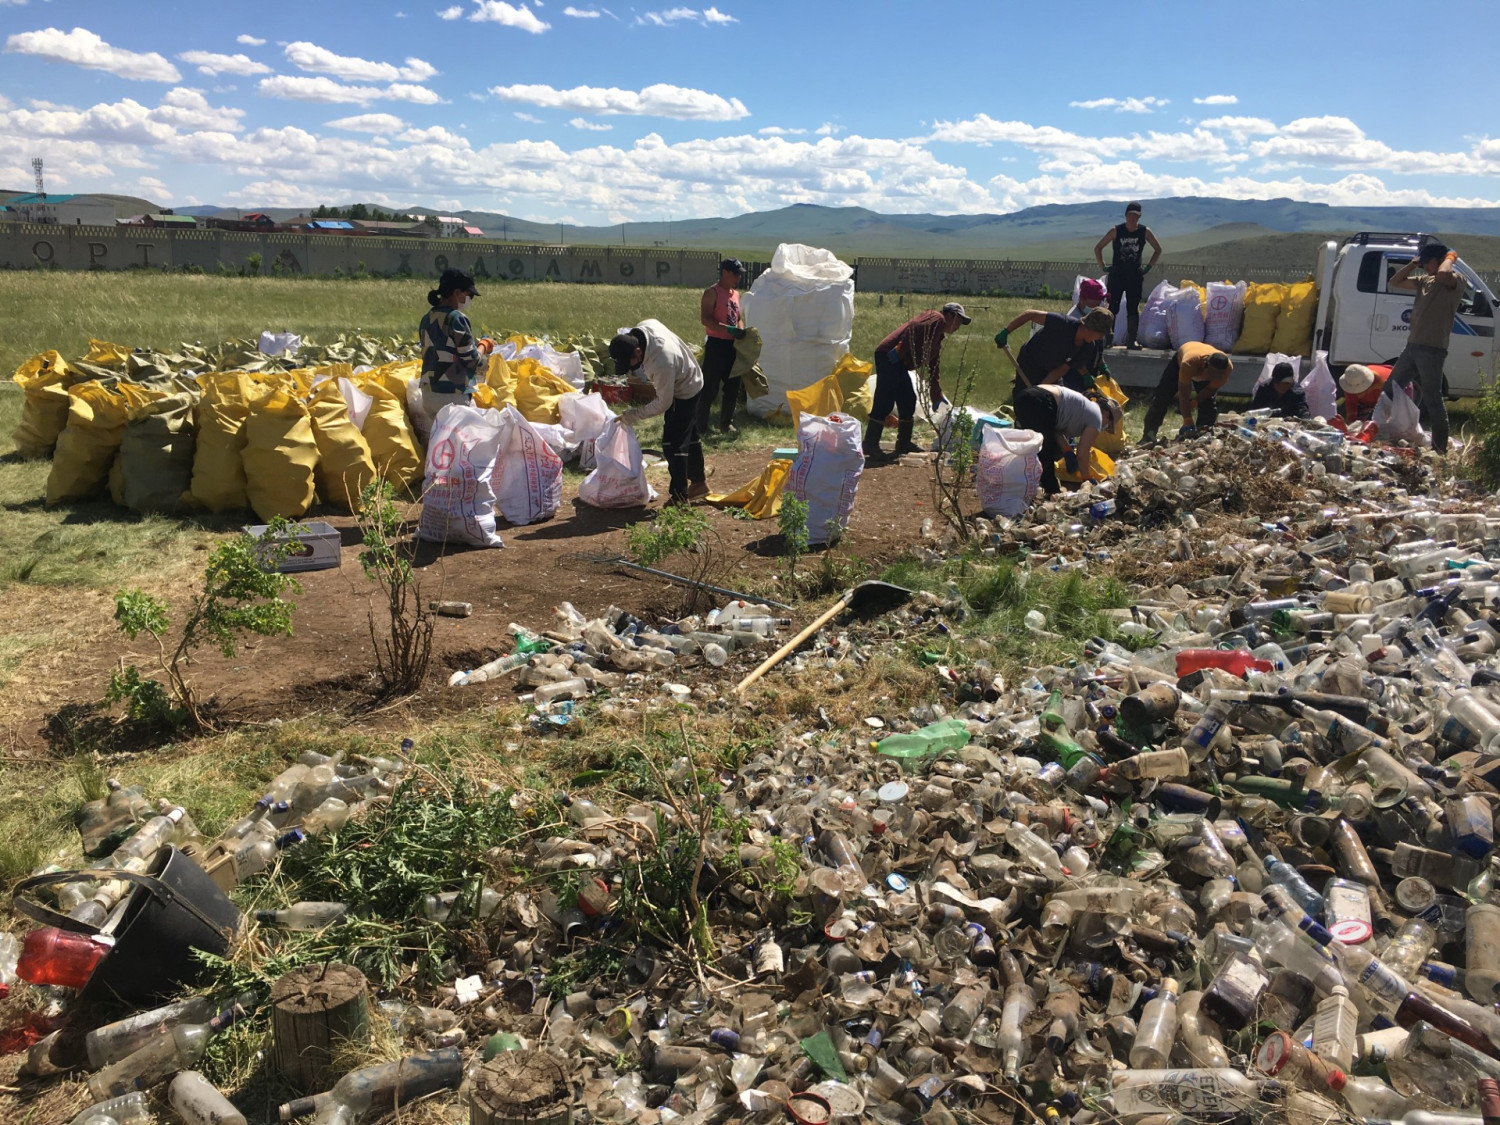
(1362, 386)
(1193, 378)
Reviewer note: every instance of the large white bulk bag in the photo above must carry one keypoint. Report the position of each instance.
(458, 502)
(826, 473)
(803, 307)
(1009, 470)
(1272, 360)
(1226, 308)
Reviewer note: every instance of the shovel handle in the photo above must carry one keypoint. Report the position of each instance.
(786, 650)
(1010, 356)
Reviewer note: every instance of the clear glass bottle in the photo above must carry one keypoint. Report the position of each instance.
(113, 1041)
(303, 915)
(1409, 948)
(1157, 1030)
(378, 1086)
(127, 1109)
(1370, 1098)
(199, 1102)
(1196, 1092)
(178, 1048)
(255, 856)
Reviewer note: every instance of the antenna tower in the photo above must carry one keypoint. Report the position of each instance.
(36, 166)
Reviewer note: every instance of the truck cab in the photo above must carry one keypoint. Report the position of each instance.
(1361, 319)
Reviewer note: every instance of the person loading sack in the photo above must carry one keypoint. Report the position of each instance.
(1063, 416)
(916, 344)
(666, 360)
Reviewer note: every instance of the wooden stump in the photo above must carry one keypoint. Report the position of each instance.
(522, 1088)
(313, 1011)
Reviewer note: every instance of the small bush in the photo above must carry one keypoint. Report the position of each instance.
(1486, 419)
(675, 529)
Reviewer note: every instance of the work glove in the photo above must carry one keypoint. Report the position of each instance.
(894, 355)
(1145, 270)
(1070, 460)
(738, 333)
(1002, 337)
(1188, 431)
(486, 345)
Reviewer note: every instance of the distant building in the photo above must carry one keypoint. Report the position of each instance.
(253, 221)
(449, 226)
(473, 232)
(330, 226)
(59, 210)
(167, 219)
(406, 229)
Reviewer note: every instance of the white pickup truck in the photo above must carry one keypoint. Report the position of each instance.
(1361, 319)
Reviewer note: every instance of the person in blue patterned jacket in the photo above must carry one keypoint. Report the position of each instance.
(452, 360)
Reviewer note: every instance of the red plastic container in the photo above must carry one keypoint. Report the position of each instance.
(53, 956)
(1236, 661)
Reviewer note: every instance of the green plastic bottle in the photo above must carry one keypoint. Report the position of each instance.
(1052, 716)
(923, 745)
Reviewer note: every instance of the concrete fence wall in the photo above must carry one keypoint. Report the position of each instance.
(30, 245)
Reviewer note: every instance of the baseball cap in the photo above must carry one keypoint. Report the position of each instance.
(1091, 289)
(957, 310)
(456, 281)
(622, 351)
(1099, 320)
(733, 265)
(1283, 373)
(1357, 379)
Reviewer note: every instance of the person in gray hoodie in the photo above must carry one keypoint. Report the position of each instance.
(665, 360)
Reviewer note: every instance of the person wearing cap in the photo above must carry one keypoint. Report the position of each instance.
(916, 344)
(1062, 350)
(1440, 290)
(1064, 417)
(1125, 272)
(1362, 386)
(720, 313)
(1193, 376)
(666, 360)
(1281, 394)
(452, 360)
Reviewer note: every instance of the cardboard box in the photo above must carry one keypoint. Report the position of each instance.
(316, 546)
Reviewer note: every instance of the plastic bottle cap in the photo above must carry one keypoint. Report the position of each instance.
(1352, 931)
(893, 791)
(1274, 1053)
(1337, 1079)
(896, 882)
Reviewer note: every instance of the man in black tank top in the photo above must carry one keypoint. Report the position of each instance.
(1126, 270)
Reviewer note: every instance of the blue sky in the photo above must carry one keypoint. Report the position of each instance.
(595, 113)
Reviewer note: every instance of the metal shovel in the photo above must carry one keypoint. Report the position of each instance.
(866, 599)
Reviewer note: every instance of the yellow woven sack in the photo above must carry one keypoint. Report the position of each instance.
(853, 377)
(1262, 309)
(537, 391)
(219, 461)
(281, 456)
(156, 455)
(89, 442)
(761, 498)
(499, 387)
(394, 447)
(392, 376)
(1294, 326)
(345, 464)
(1103, 463)
(104, 354)
(45, 380)
(823, 398)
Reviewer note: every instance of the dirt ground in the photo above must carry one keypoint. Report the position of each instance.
(326, 665)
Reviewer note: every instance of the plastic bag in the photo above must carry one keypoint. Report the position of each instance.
(845, 390)
(1185, 317)
(345, 464)
(804, 308)
(1294, 325)
(279, 343)
(619, 476)
(1398, 417)
(584, 416)
(1099, 460)
(527, 479)
(1322, 394)
(537, 391)
(1258, 324)
(826, 473)
(1009, 470)
(1224, 310)
(281, 457)
(1152, 331)
(1269, 366)
(458, 502)
(156, 454)
(393, 442)
(944, 426)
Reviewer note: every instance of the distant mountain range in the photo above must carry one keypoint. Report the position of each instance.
(1188, 226)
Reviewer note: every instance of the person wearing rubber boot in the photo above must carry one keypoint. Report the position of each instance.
(666, 361)
(719, 313)
(1126, 274)
(1193, 378)
(916, 344)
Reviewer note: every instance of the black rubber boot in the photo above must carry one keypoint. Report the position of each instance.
(871, 444)
(904, 444)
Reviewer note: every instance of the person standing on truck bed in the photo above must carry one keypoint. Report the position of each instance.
(1439, 290)
(1125, 269)
(1193, 376)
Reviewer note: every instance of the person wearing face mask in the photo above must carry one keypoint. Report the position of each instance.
(453, 362)
(665, 360)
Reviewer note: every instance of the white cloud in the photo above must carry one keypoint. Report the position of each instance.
(451, 13)
(212, 64)
(1337, 142)
(249, 41)
(668, 17)
(83, 48)
(298, 88)
(530, 117)
(1217, 99)
(509, 15)
(189, 110)
(319, 60)
(778, 131)
(1124, 105)
(582, 13)
(713, 15)
(828, 129)
(660, 100)
(592, 126)
(1240, 128)
(384, 123)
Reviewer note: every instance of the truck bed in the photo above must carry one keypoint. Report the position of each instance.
(1140, 371)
